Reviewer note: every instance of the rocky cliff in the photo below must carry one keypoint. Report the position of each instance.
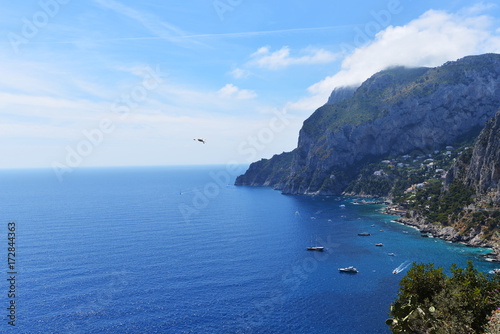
(267, 172)
(479, 168)
(476, 172)
(340, 94)
(395, 111)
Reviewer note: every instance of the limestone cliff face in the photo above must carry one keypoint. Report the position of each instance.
(394, 112)
(480, 169)
(267, 172)
(340, 94)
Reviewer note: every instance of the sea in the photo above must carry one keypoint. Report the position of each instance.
(180, 249)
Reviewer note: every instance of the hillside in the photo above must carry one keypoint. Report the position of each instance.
(465, 205)
(395, 112)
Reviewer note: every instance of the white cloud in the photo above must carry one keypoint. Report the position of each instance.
(230, 91)
(478, 8)
(239, 73)
(430, 40)
(152, 23)
(264, 58)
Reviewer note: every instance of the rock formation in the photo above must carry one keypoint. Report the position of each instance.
(479, 169)
(393, 112)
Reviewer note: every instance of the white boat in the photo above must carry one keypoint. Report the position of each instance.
(350, 269)
(316, 248)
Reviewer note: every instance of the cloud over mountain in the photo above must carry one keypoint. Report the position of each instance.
(430, 40)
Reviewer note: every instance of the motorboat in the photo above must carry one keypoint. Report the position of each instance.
(350, 270)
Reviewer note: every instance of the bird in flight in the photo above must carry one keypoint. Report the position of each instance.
(200, 140)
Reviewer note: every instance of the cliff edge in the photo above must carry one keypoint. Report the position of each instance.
(393, 112)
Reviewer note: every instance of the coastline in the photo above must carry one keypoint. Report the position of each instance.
(446, 233)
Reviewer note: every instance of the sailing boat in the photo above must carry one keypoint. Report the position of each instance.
(316, 248)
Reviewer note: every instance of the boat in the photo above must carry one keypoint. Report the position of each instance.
(364, 234)
(350, 269)
(316, 248)
(379, 245)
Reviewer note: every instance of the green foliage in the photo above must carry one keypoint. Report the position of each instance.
(370, 101)
(431, 302)
(374, 186)
(466, 156)
(439, 205)
(277, 168)
(386, 89)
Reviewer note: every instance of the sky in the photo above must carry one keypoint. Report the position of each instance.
(127, 83)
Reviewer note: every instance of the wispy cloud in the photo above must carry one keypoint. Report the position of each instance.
(282, 58)
(232, 92)
(163, 30)
(432, 39)
(270, 32)
(156, 26)
(239, 73)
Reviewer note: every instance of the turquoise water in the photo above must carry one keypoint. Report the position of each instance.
(181, 250)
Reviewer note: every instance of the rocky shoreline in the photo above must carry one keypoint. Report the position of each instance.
(448, 233)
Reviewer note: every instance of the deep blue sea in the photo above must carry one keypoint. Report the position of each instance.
(182, 250)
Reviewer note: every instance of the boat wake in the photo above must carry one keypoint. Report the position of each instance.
(401, 267)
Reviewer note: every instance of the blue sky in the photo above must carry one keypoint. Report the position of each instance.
(118, 82)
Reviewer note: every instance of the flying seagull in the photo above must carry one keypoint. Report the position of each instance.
(200, 140)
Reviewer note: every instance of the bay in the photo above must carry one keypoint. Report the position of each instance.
(182, 250)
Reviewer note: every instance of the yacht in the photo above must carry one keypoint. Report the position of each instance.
(350, 269)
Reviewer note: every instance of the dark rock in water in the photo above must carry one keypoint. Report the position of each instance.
(393, 112)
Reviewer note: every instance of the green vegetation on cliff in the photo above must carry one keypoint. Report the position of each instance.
(370, 101)
(267, 171)
(391, 87)
(393, 176)
(431, 302)
(396, 111)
